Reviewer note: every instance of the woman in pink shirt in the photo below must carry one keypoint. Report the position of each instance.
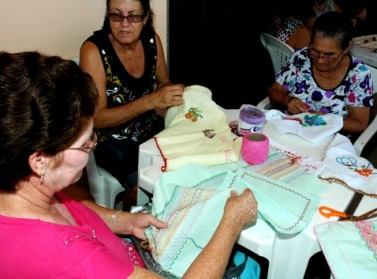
(46, 132)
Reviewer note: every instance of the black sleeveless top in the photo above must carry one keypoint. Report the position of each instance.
(122, 88)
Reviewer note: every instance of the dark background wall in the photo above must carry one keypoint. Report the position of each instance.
(215, 43)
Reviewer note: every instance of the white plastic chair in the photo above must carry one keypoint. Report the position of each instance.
(103, 186)
(279, 53)
(278, 50)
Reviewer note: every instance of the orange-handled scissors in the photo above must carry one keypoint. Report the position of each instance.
(330, 212)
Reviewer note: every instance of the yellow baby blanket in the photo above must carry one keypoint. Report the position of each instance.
(197, 132)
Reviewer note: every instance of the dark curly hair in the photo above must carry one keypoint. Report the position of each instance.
(45, 104)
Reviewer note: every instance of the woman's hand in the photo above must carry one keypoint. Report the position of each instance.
(138, 222)
(296, 106)
(242, 208)
(169, 95)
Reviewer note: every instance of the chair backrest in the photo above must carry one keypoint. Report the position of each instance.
(278, 50)
(103, 186)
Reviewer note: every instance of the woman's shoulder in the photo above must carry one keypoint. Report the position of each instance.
(358, 66)
(302, 54)
(300, 61)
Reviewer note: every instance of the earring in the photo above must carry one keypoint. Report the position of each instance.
(42, 177)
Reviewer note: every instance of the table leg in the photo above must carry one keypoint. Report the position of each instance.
(291, 255)
(143, 197)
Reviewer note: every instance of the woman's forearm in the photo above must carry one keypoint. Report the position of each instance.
(213, 260)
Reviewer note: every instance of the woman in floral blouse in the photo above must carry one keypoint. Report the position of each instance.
(325, 78)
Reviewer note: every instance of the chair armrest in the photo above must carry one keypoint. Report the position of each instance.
(365, 136)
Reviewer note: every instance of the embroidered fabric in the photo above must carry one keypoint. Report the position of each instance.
(184, 201)
(344, 166)
(197, 132)
(311, 127)
(350, 248)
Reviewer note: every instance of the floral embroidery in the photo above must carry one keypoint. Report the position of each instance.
(309, 120)
(193, 114)
(369, 235)
(351, 163)
(314, 120)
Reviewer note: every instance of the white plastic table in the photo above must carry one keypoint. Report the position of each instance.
(288, 255)
(367, 203)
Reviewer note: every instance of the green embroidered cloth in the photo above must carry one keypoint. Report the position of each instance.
(191, 201)
(350, 248)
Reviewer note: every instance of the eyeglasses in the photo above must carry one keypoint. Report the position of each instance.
(328, 57)
(130, 18)
(89, 145)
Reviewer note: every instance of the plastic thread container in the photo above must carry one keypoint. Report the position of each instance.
(251, 120)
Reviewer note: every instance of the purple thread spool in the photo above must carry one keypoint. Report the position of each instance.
(251, 120)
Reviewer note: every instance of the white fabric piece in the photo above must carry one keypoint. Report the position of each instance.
(344, 166)
(311, 127)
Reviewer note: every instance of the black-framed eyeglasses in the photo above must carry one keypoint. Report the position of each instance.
(89, 145)
(328, 57)
(130, 18)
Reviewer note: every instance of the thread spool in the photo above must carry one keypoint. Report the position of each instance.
(255, 148)
(251, 120)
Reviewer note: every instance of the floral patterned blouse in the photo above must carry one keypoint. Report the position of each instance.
(355, 90)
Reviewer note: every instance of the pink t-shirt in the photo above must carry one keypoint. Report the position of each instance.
(38, 249)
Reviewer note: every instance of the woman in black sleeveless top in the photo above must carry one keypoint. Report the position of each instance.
(126, 60)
